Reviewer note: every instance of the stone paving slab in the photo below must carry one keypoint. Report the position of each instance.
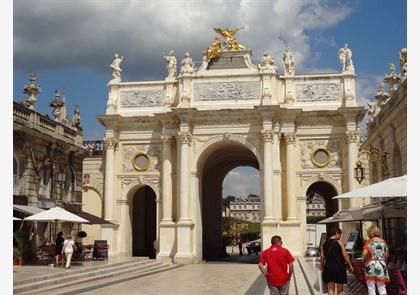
(234, 275)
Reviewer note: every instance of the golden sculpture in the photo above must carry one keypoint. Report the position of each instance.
(215, 49)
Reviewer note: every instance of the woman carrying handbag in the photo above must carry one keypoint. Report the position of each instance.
(68, 249)
(332, 262)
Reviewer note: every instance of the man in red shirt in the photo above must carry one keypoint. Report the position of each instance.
(279, 268)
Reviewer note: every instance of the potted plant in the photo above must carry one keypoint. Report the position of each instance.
(82, 234)
(17, 254)
(19, 238)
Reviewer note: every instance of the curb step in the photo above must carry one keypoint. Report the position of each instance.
(68, 278)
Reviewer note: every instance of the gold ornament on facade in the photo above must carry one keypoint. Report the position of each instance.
(320, 156)
(374, 156)
(141, 161)
(228, 43)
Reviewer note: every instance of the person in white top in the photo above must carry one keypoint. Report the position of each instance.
(69, 247)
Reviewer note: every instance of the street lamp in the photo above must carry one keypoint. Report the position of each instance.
(359, 172)
(61, 177)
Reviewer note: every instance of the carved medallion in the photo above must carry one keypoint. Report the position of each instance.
(320, 156)
(141, 161)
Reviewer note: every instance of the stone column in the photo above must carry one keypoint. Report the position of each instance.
(268, 174)
(291, 175)
(167, 179)
(184, 183)
(110, 144)
(184, 224)
(351, 162)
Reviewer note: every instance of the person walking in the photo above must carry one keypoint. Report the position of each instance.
(59, 241)
(240, 247)
(375, 255)
(332, 262)
(68, 248)
(276, 264)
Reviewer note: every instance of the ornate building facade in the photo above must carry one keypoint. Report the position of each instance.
(47, 160)
(169, 144)
(383, 153)
(248, 208)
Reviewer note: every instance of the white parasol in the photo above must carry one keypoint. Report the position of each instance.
(389, 188)
(56, 214)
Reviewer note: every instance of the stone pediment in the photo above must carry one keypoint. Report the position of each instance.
(229, 60)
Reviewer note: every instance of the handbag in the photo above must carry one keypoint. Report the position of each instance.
(319, 284)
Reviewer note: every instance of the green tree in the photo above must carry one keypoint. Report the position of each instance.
(253, 196)
(314, 219)
(226, 201)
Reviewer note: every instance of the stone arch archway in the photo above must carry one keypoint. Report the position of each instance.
(214, 163)
(327, 188)
(143, 212)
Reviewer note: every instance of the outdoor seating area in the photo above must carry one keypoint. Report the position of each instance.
(46, 253)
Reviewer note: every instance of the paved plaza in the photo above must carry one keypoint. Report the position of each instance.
(233, 275)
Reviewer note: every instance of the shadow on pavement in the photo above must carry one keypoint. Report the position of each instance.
(252, 259)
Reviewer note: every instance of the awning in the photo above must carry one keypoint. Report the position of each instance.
(340, 216)
(29, 210)
(93, 219)
(387, 211)
(389, 188)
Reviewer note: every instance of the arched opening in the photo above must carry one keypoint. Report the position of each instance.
(241, 208)
(327, 192)
(144, 222)
(217, 165)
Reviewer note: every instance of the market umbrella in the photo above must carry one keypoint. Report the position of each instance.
(56, 214)
(389, 188)
(340, 216)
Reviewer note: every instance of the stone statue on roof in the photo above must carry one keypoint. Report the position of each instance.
(267, 62)
(288, 62)
(170, 64)
(115, 66)
(187, 65)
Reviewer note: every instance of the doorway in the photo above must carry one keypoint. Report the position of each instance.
(144, 222)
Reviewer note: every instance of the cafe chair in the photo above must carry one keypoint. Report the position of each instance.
(397, 282)
(359, 286)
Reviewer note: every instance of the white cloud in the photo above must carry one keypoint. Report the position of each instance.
(241, 181)
(63, 33)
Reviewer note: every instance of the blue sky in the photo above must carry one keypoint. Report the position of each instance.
(69, 45)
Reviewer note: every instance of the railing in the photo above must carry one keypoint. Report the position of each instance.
(42, 123)
(95, 148)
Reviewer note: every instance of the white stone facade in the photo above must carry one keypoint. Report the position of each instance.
(169, 145)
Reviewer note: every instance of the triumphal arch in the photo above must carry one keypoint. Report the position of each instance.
(170, 144)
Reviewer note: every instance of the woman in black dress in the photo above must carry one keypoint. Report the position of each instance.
(332, 263)
(59, 241)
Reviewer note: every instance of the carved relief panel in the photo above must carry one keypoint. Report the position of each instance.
(140, 158)
(320, 153)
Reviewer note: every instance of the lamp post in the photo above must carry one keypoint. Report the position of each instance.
(61, 177)
(359, 172)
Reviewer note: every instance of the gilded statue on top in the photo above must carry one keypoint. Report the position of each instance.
(226, 43)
